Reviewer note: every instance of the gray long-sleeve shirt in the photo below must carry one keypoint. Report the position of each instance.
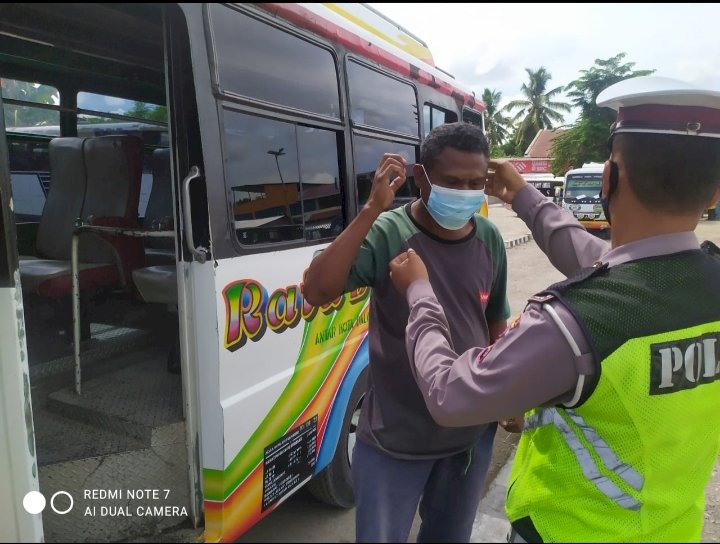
(541, 357)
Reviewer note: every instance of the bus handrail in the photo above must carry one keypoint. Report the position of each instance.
(200, 253)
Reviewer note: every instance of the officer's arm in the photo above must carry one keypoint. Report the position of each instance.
(558, 234)
(530, 365)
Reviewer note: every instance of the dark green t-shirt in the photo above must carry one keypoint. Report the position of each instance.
(469, 277)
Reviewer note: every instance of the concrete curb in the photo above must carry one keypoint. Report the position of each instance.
(517, 241)
(490, 524)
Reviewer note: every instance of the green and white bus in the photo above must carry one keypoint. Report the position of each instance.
(581, 197)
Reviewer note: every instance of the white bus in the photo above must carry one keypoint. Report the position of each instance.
(195, 385)
(581, 197)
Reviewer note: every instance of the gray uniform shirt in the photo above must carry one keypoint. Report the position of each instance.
(543, 356)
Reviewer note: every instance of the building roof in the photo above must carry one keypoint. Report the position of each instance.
(540, 146)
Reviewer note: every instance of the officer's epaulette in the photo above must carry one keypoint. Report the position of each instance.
(708, 247)
(541, 298)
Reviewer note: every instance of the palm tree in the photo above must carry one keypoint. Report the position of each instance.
(496, 124)
(537, 110)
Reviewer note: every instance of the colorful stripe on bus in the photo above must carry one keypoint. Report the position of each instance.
(332, 354)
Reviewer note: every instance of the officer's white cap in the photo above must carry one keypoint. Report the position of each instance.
(662, 105)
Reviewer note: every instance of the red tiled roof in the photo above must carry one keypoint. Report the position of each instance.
(540, 146)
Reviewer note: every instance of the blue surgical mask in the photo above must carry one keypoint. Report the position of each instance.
(452, 208)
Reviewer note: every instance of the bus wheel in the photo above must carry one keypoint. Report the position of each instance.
(334, 484)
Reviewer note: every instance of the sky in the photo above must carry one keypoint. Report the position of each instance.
(490, 45)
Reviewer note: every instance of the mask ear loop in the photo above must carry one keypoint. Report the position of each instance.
(427, 178)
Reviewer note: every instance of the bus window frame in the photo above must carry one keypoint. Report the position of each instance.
(8, 235)
(252, 249)
(480, 114)
(250, 102)
(432, 106)
(243, 104)
(398, 200)
(379, 133)
(352, 57)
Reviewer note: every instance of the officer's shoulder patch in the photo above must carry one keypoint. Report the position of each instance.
(541, 298)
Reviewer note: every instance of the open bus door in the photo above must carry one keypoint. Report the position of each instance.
(277, 380)
(18, 462)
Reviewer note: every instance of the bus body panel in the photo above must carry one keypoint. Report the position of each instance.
(18, 461)
(297, 365)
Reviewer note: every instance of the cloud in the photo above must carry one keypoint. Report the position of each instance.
(490, 45)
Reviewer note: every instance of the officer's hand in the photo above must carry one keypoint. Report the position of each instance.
(503, 180)
(513, 424)
(389, 177)
(405, 269)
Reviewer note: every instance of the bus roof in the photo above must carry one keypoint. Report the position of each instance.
(587, 168)
(365, 31)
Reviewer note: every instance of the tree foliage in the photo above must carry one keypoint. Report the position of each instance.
(497, 124)
(538, 110)
(148, 111)
(586, 140)
(35, 93)
(28, 116)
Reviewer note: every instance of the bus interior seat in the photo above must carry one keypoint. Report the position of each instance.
(159, 211)
(158, 284)
(97, 179)
(64, 200)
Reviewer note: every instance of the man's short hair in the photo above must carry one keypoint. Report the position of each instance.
(670, 173)
(460, 136)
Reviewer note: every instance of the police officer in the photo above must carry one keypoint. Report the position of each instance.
(617, 368)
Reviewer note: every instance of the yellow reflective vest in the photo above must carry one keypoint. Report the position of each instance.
(629, 462)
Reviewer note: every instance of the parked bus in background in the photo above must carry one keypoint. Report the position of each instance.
(173, 168)
(581, 197)
(547, 184)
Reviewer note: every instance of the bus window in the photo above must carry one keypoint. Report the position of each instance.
(18, 97)
(28, 149)
(320, 182)
(380, 101)
(98, 103)
(473, 117)
(434, 117)
(368, 152)
(284, 180)
(278, 58)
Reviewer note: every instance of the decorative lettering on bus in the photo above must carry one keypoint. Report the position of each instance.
(249, 312)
